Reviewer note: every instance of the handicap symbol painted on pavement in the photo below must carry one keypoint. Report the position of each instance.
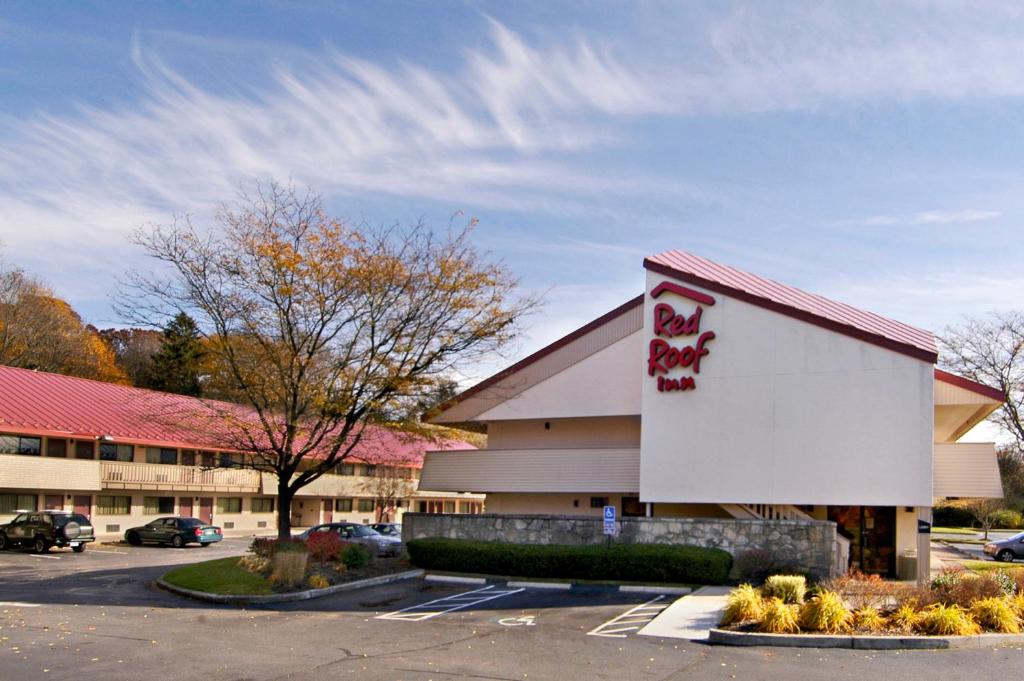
(524, 621)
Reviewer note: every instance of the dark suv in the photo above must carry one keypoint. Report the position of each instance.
(43, 529)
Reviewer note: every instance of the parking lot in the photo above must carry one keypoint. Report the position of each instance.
(97, 615)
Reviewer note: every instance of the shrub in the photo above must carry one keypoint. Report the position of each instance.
(1006, 519)
(789, 588)
(254, 563)
(905, 618)
(639, 562)
(754, 565)
(825, 612)
(778, 617)
(860, 590)
(354, 556)
(323, 546)
(996, 614)
(267, 547)
(289, 567)
(952, 516)
(947, 620)
(744, 603)
(318, 581)
(340, 567)
(1005, 581)
(1018, 581)
(868, 619)
(968, 589)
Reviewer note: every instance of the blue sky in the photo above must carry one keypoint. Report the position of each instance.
(866, 151)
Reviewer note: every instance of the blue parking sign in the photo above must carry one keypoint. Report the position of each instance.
(609, 513)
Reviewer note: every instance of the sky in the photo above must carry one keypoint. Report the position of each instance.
(869, 152)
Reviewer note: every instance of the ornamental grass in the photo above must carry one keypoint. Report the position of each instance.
(744, 604)
(869, 620)
(996, 614)
(789, 589)
(1016, 603)
(905, 618)
(288, 568)
(778, 617)
(947, 620)
(826, 612)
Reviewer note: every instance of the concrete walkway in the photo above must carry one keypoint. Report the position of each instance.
(691, 616)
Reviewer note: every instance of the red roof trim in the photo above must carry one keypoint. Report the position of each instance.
(543, 352)
(796, 313)
(968, 384)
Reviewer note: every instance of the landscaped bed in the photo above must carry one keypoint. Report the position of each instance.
(956, 603)
(279, 567)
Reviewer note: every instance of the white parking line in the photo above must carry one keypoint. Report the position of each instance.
(440, 606)
(631, 620)
(17, 604)
(120, 553)
(42, 555)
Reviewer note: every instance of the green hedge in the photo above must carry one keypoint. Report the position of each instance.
(623, 562)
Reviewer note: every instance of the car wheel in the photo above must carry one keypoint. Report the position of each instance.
(3, 541)
(133, 538)
(177, 542)
(78, 549)
(1006, 556)
(40, 545)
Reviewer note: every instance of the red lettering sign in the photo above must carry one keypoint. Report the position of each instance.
(662, 356)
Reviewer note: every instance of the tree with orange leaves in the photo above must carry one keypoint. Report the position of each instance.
(320, 328)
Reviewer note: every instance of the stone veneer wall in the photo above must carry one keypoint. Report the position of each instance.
(807, 545)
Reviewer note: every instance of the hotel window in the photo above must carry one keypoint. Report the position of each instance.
(347, 469)
(158, 505)
(111, 505)
(225, 460)
(208, 459)
(111, 452)
(470, 507)
(449, 507)
(161, 455)
(366, 505)
(9, 503)
(188, 457)
(57, 446)
(16, 444)
(369, 470)
(343, 505)
(85, 450)
(263, 505)
(598, 502)
(229, 504)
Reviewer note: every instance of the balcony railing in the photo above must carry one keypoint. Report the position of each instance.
(44, 472)
(123, 475)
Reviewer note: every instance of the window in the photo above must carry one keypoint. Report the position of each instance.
(263, 505)
(207, 458)
(369, 470)
(111, 505)
(229, 504)
(343, 505)
(56, 446)
(85, 450)
(347, 469)
(9, 503)
(598, 502)
(366, 505)
(224, 460)
(470, 507)
(449, 507)
(16, 444)
(161, 455)
(111, 452)
(161, 505)
(632, 508)
(188, 457)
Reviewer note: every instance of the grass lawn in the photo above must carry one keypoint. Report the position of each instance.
(954, 530)
(221, 576)
(990, 565)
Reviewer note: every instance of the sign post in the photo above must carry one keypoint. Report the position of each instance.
(611, 528)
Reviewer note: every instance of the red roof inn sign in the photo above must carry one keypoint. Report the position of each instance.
(664, 352)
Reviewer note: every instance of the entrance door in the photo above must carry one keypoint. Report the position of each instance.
(206, 509)
(872, 534)
(185, 507)
(83, 504)
(328, 510)
(54, 502)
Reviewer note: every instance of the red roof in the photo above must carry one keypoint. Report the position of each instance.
(968, 384)
(793, 302)
(39, 403)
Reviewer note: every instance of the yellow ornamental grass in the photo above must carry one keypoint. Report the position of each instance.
(787, 588)
(827, 613)
(868, 619)
(947, 620)
(289, 567)
(318, 582)
(779, 618)
(1016, 603)
(905, 618)
(996, 614)
(744, 603)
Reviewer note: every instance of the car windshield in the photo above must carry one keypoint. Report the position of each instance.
(1017, 537)
(363, 531)
(62, 519)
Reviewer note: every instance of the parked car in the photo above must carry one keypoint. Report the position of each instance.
(378, 543)
(388, 529)
(44, 529)
(1007, 549)
(174, 531)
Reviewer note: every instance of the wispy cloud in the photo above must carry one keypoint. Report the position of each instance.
(927, 217)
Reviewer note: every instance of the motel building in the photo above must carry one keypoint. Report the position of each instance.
(721, 394)
(125, 456)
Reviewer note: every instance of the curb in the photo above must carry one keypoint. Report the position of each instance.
(554, 586)
(306, 595)
(739, 638)
(561, 586)
(454, 579)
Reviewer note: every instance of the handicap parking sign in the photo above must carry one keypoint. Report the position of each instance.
(609, 513)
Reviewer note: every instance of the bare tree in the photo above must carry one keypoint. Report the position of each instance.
(320, 328)
(388, 485)
(984, 510)
(990, 350)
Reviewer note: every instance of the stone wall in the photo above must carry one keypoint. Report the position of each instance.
(807, 545)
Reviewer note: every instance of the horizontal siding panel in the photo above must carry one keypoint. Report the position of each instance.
(533, 470)
(966, 469)
(41, 472)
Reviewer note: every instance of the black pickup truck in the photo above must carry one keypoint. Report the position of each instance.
(42, 529)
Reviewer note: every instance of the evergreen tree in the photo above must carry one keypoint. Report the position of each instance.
(177, 364)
